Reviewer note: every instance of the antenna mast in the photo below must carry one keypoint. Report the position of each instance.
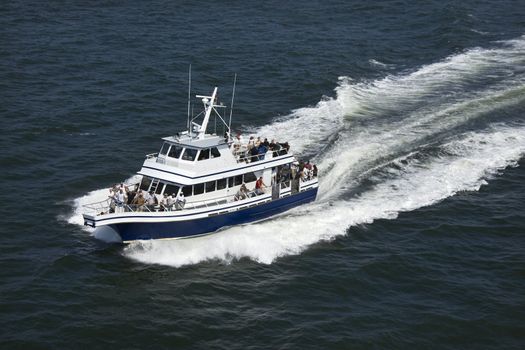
(189, 98)
(231, 107)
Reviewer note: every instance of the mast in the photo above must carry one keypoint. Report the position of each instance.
(231, 107)
(189, 97)
(209, 103)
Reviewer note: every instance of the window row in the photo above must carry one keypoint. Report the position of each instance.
(189, 154)
(149, 184)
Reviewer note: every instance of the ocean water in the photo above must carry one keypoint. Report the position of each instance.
(413, 111)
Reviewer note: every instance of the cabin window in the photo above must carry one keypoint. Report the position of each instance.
(215, 152)
(221, 184)
(250, 177)
(189, 154)
(159, 188)
(198, 189)
(164, 148)
(237, 180)
(172, 189)
(204, 154)
(144, 184)
(187, 191)
(175, 151)
(210, 186)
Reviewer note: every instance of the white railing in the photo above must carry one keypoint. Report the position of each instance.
(107, 206)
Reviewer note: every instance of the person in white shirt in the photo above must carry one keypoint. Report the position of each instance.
(171, 201)
(164, 202)
(120, 199)
(180, 201)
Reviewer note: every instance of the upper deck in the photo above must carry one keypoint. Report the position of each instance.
(186, 161)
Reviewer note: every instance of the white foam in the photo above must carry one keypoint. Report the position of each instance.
(440, 85)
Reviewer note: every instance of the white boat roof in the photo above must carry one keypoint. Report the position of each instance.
(185, 139)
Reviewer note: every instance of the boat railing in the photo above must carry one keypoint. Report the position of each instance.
(108, 206)
(242, 154)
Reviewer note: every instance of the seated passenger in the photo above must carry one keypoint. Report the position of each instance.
(242, 193)
(314, 171)
(260, 186)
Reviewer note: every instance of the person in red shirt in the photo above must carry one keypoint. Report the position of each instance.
(260, 186)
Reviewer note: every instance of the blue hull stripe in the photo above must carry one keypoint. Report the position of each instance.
(188, 228)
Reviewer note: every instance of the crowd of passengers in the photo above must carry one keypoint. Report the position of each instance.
(122, 198)
(255, 149)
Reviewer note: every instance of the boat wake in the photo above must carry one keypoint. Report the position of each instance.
(387, 146)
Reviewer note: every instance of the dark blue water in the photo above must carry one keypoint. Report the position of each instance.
(413, 111)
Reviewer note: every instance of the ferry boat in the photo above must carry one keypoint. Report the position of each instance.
(200, 182)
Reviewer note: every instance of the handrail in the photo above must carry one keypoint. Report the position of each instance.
(104, 207)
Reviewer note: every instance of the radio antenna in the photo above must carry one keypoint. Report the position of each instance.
(231, 107)
(189, 99)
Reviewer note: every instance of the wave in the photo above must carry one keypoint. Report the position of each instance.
(470, 161)
(383, 124)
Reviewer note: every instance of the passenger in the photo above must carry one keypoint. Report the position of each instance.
(120, 200)
(151, 200)
(139, 202)
(258, 142)
(260, 186)
(131, 196)
(237, 142)
(170, 202)
(271, 146)
(266, 143)
(111, 198)
(254, 154)
(314, 171)
(306, 174)
(261, 150)
(242, 193)
(276, 149)
(180, 201)
(164, 202)
(251, 143)
(123, 187)
(244, 190)
(308, 165)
